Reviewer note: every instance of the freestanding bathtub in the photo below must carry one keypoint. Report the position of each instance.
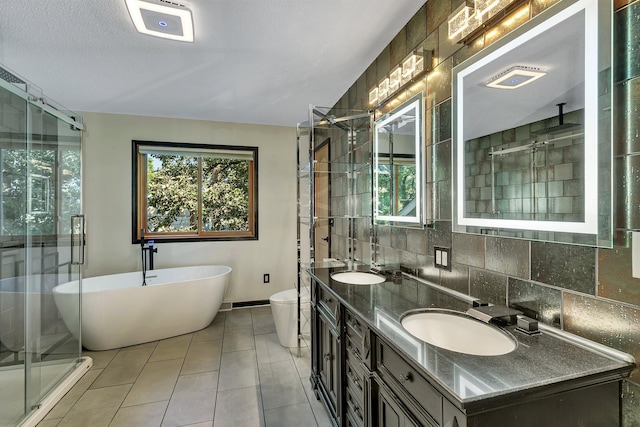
(117, 311)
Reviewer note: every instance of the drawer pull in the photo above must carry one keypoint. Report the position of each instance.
(327, 356)
(404, 378)
(328, 300)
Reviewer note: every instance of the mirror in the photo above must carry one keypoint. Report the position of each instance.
(532, 130)
(397, 142)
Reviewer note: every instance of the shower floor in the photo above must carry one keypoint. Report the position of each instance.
(232, 373)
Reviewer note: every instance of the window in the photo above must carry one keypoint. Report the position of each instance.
(194, 191)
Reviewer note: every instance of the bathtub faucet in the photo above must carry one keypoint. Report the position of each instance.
(147, 249)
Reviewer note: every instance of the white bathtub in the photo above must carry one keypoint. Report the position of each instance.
(117, 311)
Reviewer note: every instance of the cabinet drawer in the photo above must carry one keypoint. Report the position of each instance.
(354, 353)
(354, 327)
(328, 301)
(354, 376)
(412, 382)
(355, 405)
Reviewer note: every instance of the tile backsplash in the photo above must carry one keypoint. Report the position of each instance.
(584, 290)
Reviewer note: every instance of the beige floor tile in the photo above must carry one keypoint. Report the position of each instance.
(49, 423)
(193, 400)
(290, 416)
(238, 338)
(202, 356)
(207, 424)
(319, 411)
(101, 358)
(124, 368)
(171, 348)
(66, 403)
(155, 383)
(240, 407)
(96, 408)
(303, 363)
(146, 415)
(238, 369)
(268, 349)
(237, 317)
(262, 320)
(212, 332)
(280, 385)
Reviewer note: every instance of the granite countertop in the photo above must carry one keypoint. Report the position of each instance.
(541, 364)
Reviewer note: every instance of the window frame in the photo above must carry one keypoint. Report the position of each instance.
(139, 206)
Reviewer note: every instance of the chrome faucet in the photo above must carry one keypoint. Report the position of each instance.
(147, 249)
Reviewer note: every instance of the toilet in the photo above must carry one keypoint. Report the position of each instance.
(284, 307)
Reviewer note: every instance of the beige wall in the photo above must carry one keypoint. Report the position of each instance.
(107, 201)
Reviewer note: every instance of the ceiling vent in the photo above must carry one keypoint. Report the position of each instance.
(160, 18)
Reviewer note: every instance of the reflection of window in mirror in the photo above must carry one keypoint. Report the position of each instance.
(398, 164)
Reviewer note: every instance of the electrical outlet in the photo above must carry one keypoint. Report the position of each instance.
(442, 258)
(265, 278)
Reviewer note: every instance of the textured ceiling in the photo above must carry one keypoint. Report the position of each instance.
(260, 61)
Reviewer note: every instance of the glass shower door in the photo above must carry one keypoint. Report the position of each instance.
(40, 157)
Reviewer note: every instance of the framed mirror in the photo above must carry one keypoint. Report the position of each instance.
(397, 152)
(532, 130)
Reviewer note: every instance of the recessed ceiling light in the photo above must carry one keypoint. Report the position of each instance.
(515, 77)
(161, 18)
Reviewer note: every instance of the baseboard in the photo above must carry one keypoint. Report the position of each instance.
(243, 304)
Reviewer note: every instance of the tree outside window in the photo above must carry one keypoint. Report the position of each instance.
(195, 191)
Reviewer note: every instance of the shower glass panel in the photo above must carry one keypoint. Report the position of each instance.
(40, 192)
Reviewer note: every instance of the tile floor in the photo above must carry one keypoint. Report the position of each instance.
(233, 373)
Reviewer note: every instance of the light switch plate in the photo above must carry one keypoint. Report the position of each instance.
(442, 258)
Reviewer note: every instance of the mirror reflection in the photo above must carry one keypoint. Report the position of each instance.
(397, 164)
(531, 130)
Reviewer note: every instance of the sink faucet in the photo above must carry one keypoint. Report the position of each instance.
(147, 251)
(487, 313)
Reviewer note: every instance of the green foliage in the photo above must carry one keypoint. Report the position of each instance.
(172, 194)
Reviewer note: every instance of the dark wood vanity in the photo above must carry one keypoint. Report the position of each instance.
(369, 372)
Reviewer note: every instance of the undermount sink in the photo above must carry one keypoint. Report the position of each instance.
(358, 278)
(456, 331)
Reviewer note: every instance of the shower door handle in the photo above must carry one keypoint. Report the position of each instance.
(77, 223)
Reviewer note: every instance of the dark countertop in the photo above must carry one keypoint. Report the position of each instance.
(540, 365)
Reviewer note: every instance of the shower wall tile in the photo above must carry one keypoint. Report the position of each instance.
(566, 266)
(487, 286)
(507, 256)
(630, 404)
(615, 281)
(456, 279)
(468, 249)
(536, 301)
(417, 28)
(611, 324)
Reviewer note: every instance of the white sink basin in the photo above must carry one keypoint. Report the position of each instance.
(358, 278)
(458, 332)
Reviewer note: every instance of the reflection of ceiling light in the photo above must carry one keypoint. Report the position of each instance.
(515, 77)
(162, 19)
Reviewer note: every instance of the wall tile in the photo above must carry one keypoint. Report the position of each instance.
(456, 279)
(536, 301)
(439, 234)
(468, 249)
(611, 324)
(468, 50)
(614, 274)
(446, 49)
(487, 286)
(628, 192)
(384, 63)
(439, 83)
(428, 271)
(626, 53)
(398, 48)
(437, 13)
(431, 44)
(398, 238)
(566, 266)
(626, 129)
(417, 241)
(630, 404)
(538, 6)
(507, 256)
(417, 28)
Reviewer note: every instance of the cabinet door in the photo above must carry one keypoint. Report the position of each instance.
(391, 412)
(328, 360)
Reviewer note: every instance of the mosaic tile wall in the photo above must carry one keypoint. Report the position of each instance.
(584, 290)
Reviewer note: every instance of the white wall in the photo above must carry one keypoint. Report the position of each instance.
(107, 201)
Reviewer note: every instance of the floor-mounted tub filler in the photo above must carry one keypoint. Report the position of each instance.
(117, 311)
